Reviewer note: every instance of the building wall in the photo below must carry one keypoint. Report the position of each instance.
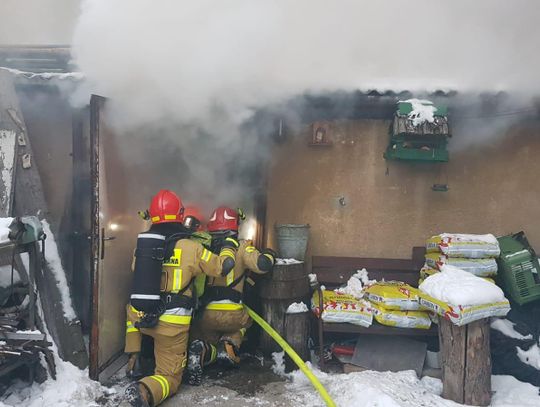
(389, 206)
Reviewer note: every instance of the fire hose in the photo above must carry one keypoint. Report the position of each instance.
(293, 355)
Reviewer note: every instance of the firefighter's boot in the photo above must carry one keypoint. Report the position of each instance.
(137, 395)
(227, 353)
(200, 354)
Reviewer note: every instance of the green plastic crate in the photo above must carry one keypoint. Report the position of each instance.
(519, 268)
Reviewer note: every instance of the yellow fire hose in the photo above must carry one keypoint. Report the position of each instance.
(293, 355)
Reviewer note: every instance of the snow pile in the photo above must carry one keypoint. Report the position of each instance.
(457, 287)
(4, 229)
(355, 285)
(422, 111)
(297, 308)
(509, 391)
(531, 356)
(279, 363)
(281, 262)
(401, 389)
(506, 327)
(71, 388)
(312, 278)
(52, 257)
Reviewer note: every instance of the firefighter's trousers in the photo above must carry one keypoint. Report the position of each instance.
(170, 351)
(221, 321)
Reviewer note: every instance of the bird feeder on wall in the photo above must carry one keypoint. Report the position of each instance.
(419, 132)
(320, 134)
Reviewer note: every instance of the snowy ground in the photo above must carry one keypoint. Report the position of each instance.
(257, 385)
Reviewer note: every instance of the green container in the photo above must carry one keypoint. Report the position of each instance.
(519, 268)
(398, 152)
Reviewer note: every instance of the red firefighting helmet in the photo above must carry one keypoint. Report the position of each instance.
(193, 218)
(166, 207)
(223, 218)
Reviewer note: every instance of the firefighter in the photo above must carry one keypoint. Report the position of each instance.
(217, 334)
(166, 261)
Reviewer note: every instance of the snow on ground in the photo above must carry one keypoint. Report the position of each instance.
(52, 257)
(297, 308)
(281, 262)
(506, 327)
(457, 287)
(530, 356)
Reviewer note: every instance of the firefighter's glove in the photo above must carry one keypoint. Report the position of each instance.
(147, 321)
(266, 260)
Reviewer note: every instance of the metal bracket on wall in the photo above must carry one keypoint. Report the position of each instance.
(26, 161)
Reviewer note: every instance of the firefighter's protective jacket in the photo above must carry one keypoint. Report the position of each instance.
(248, 258)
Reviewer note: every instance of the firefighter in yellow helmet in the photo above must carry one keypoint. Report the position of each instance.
(161, 303)
(217, 334)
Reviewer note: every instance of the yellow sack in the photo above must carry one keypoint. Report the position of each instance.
(393, 295)
(462, 245)
(461, 315)
(401, 319)
(478, 267)
(342, 308)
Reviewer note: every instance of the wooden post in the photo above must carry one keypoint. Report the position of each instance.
(296, 334)
(286, 284)
(466, 362)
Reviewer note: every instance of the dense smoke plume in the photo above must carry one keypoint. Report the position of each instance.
(195, 71)
(40, 22)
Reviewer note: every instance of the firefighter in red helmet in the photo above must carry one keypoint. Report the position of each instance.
(218, 333)
(161, 303)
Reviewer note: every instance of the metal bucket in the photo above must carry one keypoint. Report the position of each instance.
(292, 241)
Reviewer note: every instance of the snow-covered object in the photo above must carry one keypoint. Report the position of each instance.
(530, 356)
(462, 297)
(312, 278)
(506, 327)
(342, 308)
(464, 245)
(422, 111)
(297, 308)
(52, 258)
(281, 262)
(279, 363)
(355, 285)
(72, 76)
(4, 229)
(479, 267)
(393, 295)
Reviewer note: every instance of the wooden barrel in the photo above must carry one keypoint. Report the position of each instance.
(286, 284)
(296, 335)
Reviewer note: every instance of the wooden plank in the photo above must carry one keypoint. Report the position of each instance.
(377, 329)
(361, 262)
(477, 380)
(296, 333)
(10, 130)
(453, 340)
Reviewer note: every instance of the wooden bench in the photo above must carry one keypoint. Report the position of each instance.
(333, 272)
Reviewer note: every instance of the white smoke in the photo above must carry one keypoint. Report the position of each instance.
(194, 71)
(184, 58)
